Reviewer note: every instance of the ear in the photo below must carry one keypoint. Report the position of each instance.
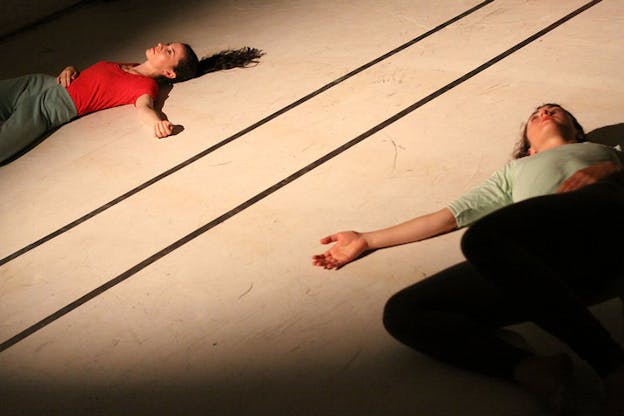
(169, 73)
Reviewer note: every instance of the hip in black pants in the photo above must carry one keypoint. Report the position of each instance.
(541, 260)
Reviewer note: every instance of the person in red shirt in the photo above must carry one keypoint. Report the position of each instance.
(35, 104)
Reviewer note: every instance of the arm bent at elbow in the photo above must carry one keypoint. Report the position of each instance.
(589, 175)
(349, 245)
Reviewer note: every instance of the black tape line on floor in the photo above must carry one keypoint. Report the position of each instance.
(191, 236)
(230, 139)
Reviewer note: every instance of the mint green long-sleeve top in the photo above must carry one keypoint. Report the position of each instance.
(530, 176)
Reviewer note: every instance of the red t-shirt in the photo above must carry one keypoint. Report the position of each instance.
(105, 85)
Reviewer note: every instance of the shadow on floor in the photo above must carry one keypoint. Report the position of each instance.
(398, 381)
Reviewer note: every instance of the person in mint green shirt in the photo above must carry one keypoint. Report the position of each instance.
(528, 177)
(537, 249)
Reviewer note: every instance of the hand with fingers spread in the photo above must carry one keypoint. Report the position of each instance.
(348, 246)
(589, 175)
(66, 76)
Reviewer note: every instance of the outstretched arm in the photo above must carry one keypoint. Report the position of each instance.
(145, 106)
(67, 75)
(349, 245)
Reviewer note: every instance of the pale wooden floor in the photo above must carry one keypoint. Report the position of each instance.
(236, 321)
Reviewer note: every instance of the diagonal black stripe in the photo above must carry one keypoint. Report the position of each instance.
(230, 139)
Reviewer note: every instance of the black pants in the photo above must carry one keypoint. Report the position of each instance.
(541, 260)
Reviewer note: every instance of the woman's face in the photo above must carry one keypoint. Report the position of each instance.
(165, 57)
(548, 121)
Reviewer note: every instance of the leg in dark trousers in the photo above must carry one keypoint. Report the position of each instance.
(549, 255)
(455, 316)
(542, 260)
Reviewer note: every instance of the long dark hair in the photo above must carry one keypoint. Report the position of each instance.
(522, 147)
(191, 67)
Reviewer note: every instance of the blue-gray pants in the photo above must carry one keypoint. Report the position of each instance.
(30, 106)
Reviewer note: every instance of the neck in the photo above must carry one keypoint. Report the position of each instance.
(552, 142)
(144, 69)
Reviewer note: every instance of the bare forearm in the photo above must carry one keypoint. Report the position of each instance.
(148, 115)
(420, 228)
(349, 245)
